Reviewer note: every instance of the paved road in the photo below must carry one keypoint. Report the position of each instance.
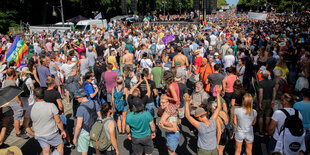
(187, 144)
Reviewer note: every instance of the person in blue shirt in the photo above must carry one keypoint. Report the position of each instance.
(304, 108)
(90, 89)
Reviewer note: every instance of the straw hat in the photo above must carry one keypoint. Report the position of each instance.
(25, 70)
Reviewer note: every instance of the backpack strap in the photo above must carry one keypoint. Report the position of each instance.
(287, 115)
(285, 112)
(222, 120)
(296, 113)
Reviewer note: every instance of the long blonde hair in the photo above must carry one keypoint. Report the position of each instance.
(247, 103)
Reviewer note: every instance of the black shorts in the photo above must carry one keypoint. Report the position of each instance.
(140, 144)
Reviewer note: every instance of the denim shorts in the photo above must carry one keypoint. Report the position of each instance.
(150, 107)
(173, 139)
(247, 136)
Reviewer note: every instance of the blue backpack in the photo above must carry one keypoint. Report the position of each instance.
(119, 99)
(153, 49)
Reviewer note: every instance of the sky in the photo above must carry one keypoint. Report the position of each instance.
(230, 2)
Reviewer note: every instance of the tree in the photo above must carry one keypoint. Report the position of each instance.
(7, 19)
(221, 2)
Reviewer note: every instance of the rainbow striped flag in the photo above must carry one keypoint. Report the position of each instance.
(17, 51)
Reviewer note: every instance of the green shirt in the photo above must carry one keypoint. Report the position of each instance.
(139, 124)
(157, 73)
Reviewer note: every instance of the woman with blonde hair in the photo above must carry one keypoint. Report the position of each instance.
(282, 66)
(119, 103)
(244, 119)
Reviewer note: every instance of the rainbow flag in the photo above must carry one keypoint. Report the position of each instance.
(17, 51)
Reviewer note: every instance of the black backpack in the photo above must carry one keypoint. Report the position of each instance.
(92, 117)
(23, 86)
(227, 133)
(293, 123)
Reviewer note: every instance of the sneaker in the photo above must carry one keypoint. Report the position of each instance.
(22, 136)
(70, 146)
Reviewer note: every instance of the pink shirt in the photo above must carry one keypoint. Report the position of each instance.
(230, 83)
(176, 87)
(49, 47)
(110, 80)
(81, 51)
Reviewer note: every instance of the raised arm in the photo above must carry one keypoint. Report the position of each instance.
(134, 87)
(219, 105)
(148, 88)
(193, 121)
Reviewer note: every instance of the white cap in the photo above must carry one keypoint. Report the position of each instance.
(216, 53)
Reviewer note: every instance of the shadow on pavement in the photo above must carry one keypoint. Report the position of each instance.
(31, 147)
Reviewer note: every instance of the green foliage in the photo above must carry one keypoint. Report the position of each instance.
(221, 2)
(278, 5)
(7, 19)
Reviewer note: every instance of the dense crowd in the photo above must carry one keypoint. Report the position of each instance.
(220, 76)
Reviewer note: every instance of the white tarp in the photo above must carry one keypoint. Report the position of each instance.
(258, 16)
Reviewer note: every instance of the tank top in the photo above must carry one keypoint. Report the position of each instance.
(176, 87)
(230, 83)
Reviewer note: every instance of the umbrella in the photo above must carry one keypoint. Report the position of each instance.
(7, 94)
(168, 38)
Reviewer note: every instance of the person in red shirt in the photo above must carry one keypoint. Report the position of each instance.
(198, 59)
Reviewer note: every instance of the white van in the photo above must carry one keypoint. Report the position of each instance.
(91, 24)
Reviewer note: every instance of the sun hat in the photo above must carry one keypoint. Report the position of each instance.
(25, 70)
(178, 76)
(199, 112)
(196, 52)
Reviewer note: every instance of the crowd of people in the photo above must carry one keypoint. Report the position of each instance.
(221, 77)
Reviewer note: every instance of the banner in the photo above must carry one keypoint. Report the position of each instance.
(258, 16)
(99, 16)
(17, 51)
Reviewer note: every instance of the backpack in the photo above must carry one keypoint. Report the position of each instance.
(23, 86)
(293, 123)
(119, 99)
(153, 49)
(292, 135)
(92, 117)
(227, 133)
(98, 136)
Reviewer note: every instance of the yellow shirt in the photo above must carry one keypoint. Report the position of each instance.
(112, 60)
(284, 71)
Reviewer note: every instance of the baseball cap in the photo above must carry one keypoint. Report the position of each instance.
(177, 63)
(216, 53)
(158, 61)
(109, 45)
(199, 112)
(80, 93)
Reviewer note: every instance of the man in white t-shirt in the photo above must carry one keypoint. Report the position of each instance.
(213, 40)
(46, 122)
(229, 59)
(66, 69)
(278, 119)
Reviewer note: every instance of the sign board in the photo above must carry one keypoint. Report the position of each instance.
(258, 16)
